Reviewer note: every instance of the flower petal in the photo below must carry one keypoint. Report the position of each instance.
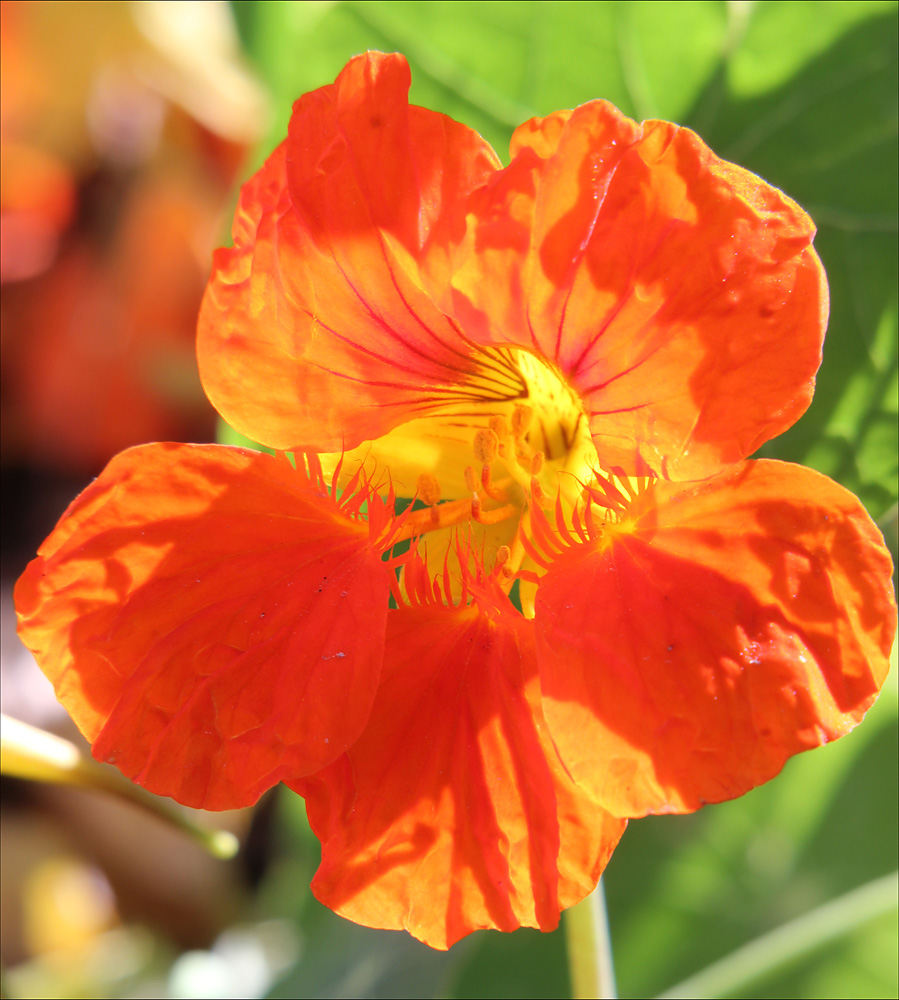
(315, 331)
(678, 293)
(212, 620)
(452, 811)
(733, 624)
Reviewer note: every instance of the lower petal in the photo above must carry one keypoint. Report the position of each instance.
(212, 620)
(731, 624)
(452, 812)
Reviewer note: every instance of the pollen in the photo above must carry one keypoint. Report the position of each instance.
(499, 427)
(522, 416)
(537, 492)
(428, 489)
(506, 565)
(486, 446)
(509, 437)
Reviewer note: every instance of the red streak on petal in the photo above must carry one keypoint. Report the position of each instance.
(663, 282)
(318, 331)
(452, 812)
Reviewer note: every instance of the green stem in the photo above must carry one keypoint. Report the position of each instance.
(791, 941)
(590, 948)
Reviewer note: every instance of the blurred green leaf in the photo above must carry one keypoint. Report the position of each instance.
(766, 955)
(827, 136)
(226, 434)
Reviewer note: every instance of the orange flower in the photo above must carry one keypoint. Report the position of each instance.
(567, 362)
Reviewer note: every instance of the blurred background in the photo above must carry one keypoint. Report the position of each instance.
(126, 130)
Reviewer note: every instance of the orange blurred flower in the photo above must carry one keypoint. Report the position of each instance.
(111, 130)
(566, 362)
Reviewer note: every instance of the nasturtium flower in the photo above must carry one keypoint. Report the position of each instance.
(596, 608)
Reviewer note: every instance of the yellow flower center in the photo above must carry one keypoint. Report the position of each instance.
(511, 435)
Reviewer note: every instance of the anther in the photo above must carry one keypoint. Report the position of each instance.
(428, 489)
(498, 426)
(537, 461)
(503, 555)
(471, 479)
(486, 444)
(537, 493)
(522, 416)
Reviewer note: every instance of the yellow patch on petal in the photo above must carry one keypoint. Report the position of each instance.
(483, 452)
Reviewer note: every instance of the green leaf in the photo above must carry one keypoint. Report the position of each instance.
(809, 101)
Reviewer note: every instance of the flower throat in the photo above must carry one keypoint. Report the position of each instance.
(511, 435)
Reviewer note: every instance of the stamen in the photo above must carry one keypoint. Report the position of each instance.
(499, 427)
(489, 488)
(444, 515)
(505, 567)
(525, 425)
(511, 463)
(512, 564)
(537, 492)
(486, 445)
(491, 516)
(522, 416)
(428, 489)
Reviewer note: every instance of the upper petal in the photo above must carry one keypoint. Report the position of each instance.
(452, 811)
(678, 293)
(315, 331)
(211, 619)
(733, 623)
